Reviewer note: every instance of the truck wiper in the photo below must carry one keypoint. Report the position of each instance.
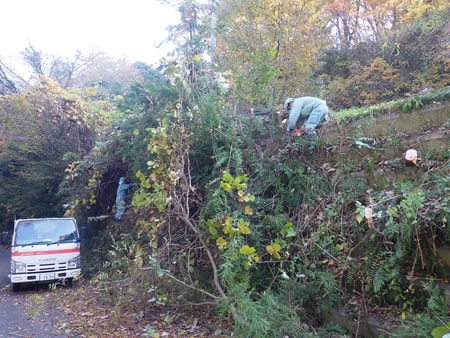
(51, 243)
(31, 244)
(62, 241)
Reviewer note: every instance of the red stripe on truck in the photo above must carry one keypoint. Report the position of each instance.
(44, 252)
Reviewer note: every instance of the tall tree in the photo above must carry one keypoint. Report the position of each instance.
(56, 68)
(67, 72)
(106, 71)
(43, 129)
(10, 81)
(270, 46)
(191, 37)
(357, 21)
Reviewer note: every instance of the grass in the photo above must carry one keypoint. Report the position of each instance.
(399, 106)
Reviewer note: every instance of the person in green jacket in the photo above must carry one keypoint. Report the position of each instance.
(311, 110)
(120, 197)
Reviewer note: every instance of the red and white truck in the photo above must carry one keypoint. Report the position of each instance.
(44, 250)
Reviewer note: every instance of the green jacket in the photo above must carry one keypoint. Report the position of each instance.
(301, 108)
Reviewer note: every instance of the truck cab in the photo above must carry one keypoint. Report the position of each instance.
(44, 250)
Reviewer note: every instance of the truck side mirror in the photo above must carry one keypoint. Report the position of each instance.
(4, 238)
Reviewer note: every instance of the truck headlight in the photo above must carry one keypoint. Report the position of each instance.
(17, 267)
(73, 263)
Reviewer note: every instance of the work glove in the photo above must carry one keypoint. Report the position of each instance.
(298, 132)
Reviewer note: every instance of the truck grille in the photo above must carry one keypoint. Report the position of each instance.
(47, 267)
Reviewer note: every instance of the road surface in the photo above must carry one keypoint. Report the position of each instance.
(26, 314)
(4, 268)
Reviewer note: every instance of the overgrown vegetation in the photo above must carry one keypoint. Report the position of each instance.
(227, 210)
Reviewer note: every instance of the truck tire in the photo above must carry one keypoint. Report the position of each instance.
(16, 287)
(69, 282)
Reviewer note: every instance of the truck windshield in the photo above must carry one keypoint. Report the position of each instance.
(45, 231)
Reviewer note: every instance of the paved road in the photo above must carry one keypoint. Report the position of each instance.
(22, 314)
(4, 268)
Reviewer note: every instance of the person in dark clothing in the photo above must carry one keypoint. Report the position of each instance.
(120, 197)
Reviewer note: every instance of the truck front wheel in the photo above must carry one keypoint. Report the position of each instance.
(68, 282)
(16, 287)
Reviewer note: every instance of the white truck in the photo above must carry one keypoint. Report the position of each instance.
(44, 250)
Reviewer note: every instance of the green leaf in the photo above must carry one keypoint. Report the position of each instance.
(212, 230)
(226, 186)
(291, 232)
(440, 331)
(288, 230)
(227, 177)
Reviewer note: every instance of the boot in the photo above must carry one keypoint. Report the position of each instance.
(311, 135)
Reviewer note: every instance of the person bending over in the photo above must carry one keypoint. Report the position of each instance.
(311, 110)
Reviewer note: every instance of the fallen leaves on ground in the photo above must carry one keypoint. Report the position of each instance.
(88, 315)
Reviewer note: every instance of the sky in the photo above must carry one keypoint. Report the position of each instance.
(128, 29)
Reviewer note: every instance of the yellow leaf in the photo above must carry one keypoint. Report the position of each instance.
(274, 250)
(243, 227)
(228, 220)
(248, 210)
(221, 243)
(249, 198)
(247, 250)
(228, 230)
